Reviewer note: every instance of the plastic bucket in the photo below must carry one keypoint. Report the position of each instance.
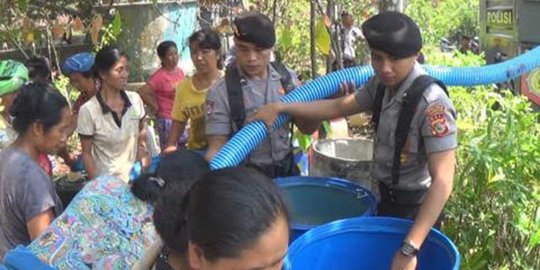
(314, 201)
(67, 188)
(367, 243)
(349, 159)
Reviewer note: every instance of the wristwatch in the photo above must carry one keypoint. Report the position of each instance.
(408, 248)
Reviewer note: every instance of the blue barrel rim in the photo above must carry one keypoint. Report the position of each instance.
(365, 224)
(324, 181)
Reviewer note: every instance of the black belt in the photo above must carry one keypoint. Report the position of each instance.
(402, 203)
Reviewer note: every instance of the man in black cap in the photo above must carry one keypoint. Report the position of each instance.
(253, 82)
(415, 125)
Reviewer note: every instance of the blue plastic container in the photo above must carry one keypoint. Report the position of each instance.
(366, 243)
(136, 170)
(314, 201)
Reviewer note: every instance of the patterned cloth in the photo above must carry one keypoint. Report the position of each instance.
(164, 128)
(105, 227)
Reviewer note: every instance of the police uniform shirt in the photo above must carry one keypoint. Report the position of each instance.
(256, 93)
(433, 129)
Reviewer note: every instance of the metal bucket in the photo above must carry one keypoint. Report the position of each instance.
(349, 159)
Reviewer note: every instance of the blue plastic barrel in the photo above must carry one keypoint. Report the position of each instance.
(313, 201)
(366, 243)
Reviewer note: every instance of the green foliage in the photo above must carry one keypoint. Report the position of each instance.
(12, 13)
(437, 58)
(110, 33)
(445, 18)
(293, 35)
(62, 84)
(322, 37)
(493, 214)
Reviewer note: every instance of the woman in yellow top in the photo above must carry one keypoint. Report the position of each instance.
(189, 102)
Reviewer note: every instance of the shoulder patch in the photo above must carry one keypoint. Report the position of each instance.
(436, 115)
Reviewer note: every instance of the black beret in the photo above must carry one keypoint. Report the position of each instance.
(256, 28)
(393, 33)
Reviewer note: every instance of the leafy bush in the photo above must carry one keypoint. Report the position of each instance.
(439, 19)
(493, 214)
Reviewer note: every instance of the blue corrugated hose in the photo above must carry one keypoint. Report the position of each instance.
(252, 134)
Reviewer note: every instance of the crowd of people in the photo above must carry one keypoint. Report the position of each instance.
(231, 218)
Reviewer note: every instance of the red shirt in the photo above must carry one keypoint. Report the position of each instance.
(163, 83)
(45, 163)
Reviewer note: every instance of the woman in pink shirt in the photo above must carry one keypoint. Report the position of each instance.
(158, 93)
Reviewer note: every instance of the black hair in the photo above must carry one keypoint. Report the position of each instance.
(87, 74)
(208, 39)
(37, 102)
(106, 58)
(39, 68)
(182, 166)
(225, 212)
(164, 46)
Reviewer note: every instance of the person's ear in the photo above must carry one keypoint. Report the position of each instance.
(36, 128)
(195, 256)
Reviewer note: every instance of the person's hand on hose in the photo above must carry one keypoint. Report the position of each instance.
(345, 88)
(268, 114)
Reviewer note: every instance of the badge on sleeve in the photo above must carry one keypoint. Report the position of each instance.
(209, 107)
(437, 118)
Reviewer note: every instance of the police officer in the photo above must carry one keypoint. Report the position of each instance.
(426, 162)
(250, 84)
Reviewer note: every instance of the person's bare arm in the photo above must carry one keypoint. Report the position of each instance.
(148, 97)
(142, 150)
(215, 142)
(68, 157)
(37, 225)
(88, 160)
(177, 129)
(441, 168)
(312, 111)
(72, 125)
(306, 126)
(64, 153)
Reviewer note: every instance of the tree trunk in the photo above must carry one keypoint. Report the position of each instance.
(312, 39)
(274, 8)
(391, 5)
(330, 7)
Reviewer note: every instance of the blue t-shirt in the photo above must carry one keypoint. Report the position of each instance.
(25, 192)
